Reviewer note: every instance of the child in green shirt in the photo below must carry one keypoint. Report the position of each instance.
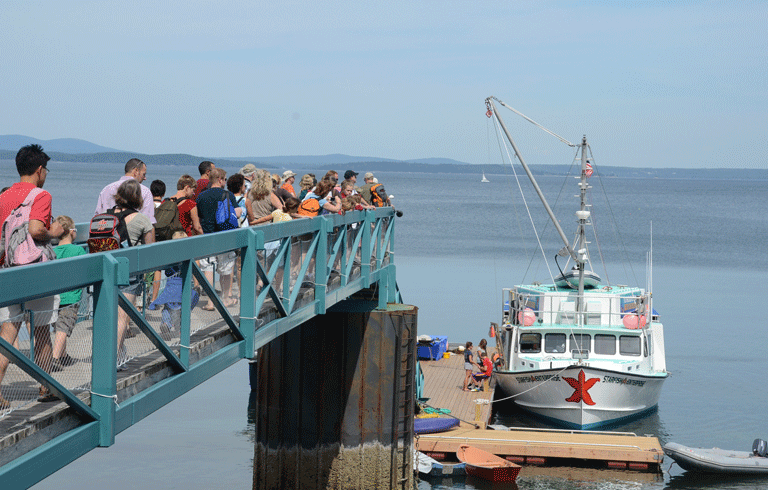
(69, 301)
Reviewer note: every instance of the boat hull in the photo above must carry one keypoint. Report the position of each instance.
(482, 464)
(582, 397)
(716, 460)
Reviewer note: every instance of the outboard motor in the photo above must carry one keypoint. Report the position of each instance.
(760, 448)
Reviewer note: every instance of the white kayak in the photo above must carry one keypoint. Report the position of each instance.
(716, 460)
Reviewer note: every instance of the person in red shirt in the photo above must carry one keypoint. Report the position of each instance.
(204, 183)
(478, 378)
(32, 165)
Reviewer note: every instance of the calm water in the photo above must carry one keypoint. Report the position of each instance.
(458, 244)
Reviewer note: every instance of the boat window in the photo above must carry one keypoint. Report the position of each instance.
(649, 344)
(645, 346)
(629, 345)
(554, 342)
(530, 342)
(580, 341)
(605, 344)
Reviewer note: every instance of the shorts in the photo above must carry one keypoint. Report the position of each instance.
(135, 285)
(67, 319)
(468, 366)
(480, 377)
(224, 263)
(44, 311)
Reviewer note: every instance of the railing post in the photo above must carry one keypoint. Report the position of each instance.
(321, 264)
(365, 246)
(186, 312)
(104, 350)
(248, 282)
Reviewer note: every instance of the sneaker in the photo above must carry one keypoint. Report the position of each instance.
(46, 395)
(66, 360)
(474, 389)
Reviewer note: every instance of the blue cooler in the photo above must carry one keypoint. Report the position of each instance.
(433, 350)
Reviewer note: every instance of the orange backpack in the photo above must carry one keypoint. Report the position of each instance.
(309, 207)
(378, 195)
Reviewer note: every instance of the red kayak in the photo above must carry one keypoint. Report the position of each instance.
(486, 465)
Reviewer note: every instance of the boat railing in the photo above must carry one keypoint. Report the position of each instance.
(284, 273)
(625, 310)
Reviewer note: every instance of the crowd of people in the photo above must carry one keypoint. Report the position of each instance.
(256, 197)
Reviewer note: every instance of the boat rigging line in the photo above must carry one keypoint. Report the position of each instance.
(488, 104)
(519, 186)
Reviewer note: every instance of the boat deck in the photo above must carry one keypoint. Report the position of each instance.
(443, 386)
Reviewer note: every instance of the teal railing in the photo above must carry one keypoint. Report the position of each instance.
(289, 272)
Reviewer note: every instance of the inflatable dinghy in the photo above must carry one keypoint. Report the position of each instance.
(570, 279)
(718, 460)
(430, 425)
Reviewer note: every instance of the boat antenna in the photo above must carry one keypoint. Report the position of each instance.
(492, 108)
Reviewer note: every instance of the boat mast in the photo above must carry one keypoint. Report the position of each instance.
(560, 231)
(583, 216)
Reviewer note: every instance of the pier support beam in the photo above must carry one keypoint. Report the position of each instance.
(335, 399)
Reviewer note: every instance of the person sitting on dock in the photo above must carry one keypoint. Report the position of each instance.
(485, 373)
(481, 347)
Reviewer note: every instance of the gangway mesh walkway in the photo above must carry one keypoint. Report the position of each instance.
(287, 273)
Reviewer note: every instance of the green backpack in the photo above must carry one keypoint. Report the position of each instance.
(167, 220)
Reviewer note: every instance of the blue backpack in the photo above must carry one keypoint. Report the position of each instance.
(226, 219)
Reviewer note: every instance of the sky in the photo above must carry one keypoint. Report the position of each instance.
(651, 83)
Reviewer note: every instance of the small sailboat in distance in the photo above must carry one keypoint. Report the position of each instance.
(484, 179)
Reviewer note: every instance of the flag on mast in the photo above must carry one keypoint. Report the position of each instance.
(588, 170)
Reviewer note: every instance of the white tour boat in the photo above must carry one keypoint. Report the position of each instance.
(579, 353)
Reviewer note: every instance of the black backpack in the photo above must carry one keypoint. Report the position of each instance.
(108, 231)
(167, 219)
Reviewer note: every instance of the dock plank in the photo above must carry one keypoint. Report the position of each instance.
(443, 383)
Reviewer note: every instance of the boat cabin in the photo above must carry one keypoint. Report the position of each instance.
(541, 328)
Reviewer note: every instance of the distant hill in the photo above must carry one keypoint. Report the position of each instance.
(64, 145)
(74, 150)
(341, 159)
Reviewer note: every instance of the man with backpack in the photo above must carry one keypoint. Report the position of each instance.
(134, 169)
(27, 231)
(373, 192)
(218, 211)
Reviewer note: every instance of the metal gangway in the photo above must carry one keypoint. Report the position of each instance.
(289, 272)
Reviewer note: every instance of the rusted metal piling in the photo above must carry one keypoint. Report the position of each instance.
(336, 399)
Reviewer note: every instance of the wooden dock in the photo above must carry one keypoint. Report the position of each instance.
(443, 386)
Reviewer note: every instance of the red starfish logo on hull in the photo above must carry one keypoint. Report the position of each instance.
(581, 388)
